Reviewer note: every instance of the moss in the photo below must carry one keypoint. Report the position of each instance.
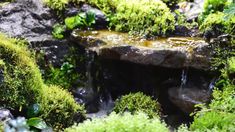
(139, 122)
(214, 6)
(214, 21)
(144, 17)
(60, 5)
(137, 102)
(58, 107)
(22, 78)
(23, 86)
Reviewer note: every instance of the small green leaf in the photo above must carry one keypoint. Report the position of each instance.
(37, 123)
(33, 110)
(70, 22)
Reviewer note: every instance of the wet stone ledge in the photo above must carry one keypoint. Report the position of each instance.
(173, 52)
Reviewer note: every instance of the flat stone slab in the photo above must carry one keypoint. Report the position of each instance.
(173, 52)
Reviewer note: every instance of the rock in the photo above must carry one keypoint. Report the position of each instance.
(5, 114)
(101, 20)
(31, 20)
(191, 9)
(165, 52)
(186, 98)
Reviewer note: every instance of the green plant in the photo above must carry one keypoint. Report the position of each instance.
(58, 31)
(142, 17)
(139, 122)
(137, 102)
(81, 20)
(58, 108)
(64, 76)
(26, 125)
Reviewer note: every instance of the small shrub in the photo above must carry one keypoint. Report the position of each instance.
(142, 17)
(139, 122)
(137, 102)
(58, 107)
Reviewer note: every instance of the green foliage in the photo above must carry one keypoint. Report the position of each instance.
(58, 31)
(214, 121)
(60, 5)
(59, 108)
(214, 21)
(64, 76)
(23, 86)
(137, 102)
(139, 122)
(27, 125)
(81, 20)
(214, 6)
(221, 110)
(142, 17)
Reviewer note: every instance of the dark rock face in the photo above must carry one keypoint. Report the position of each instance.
(31, 20)
(26, 19)
(165, 52)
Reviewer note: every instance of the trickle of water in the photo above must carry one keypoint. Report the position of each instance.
(91, 58)
(184, 78)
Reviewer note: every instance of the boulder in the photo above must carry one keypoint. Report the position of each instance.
(174, 52)
(186, 98)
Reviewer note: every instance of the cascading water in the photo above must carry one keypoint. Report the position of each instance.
(184, 76)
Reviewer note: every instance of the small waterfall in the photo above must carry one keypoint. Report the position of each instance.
(91, 57)
(184, 77)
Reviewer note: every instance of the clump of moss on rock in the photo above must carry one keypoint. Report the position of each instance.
(135, 102)
(23, 86)
(60, 5)
(144, 17)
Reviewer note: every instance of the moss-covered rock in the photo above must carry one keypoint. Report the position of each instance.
(22, 78)
(23, 86)
(144, 17)
(139, 122)
(137, 102)
(58, 108)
